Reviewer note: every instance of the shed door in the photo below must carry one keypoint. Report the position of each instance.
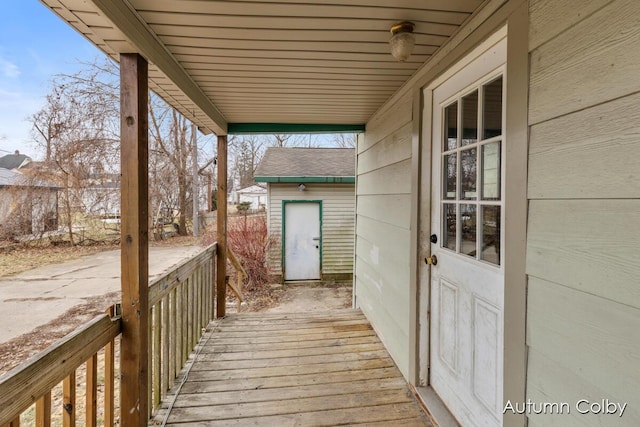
(467, 283)
(302, 241)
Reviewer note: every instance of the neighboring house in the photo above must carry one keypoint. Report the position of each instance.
(311, 212)
(101, 196)
(27, 205)
(14, 161)
(255, 195)
(498, 177)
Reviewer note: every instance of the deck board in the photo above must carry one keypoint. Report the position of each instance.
(300, 369)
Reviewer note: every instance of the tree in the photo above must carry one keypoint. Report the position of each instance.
(247, 151)
(345, 140)
(171, 161)
(78, 129)
(171, 137)
(289, 140)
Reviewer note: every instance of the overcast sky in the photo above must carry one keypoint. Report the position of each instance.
(34, 45)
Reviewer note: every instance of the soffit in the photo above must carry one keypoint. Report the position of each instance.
(271, 61)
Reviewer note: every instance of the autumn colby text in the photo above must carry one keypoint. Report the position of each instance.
(582, 406)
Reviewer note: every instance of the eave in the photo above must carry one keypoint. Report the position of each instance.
(269, 66)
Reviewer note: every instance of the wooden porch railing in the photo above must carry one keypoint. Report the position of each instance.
(33, 381)
(181, 305)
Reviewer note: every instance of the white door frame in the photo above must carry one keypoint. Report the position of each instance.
(516, 156)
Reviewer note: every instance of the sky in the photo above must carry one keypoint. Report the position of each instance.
(35, 45)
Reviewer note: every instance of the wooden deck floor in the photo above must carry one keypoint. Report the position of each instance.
(313, 369)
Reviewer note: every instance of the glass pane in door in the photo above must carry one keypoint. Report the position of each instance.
(492, 109)
(468, 173)
(449, 225)
(470, 119)
(491, 234)
(491, 171)
(450, 176)
(468, 227)
(451, 127)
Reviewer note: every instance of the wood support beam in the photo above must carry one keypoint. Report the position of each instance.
(134, 370)
(221, 219)
(127, 20)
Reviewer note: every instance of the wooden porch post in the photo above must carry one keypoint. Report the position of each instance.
(134, 95)
(221, 219)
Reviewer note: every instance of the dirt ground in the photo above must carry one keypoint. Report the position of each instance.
(312, 297)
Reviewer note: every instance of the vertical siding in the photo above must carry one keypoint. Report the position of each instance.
(383, 227)
(583, 316)
(338, 222)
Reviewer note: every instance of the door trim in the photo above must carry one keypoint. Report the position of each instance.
(283, 234)
(515, 229)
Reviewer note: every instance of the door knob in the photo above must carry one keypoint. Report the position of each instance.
(431, 260)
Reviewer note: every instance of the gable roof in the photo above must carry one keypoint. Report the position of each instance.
(9, 178)
(253, 189)
(307, 165)
(14, 161)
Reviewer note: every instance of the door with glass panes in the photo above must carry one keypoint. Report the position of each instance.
(467, 280)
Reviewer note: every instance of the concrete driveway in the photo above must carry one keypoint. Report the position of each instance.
(37, 297)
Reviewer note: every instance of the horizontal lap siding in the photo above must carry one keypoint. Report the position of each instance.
(583, 327)
(338, 222)
(383, 221)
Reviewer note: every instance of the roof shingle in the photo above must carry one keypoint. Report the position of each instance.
(307, 162)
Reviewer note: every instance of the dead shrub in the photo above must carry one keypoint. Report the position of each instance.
(247, 237)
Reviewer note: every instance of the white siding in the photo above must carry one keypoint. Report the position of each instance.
(338, 221)
(383, 227)
(583, 327)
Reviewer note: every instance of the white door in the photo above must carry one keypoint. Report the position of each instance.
(467, 283)
(302, 241)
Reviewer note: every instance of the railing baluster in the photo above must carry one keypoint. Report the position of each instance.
(109, 385)
(92, 392)
(43, 411)
(207, 292)
(190, 310)
(69, 400)
(178, 347)
(172, 337)
(150, 365)
(214, 270)
(156, 355)
(196, 314)
(202, 300)
(165, 345)
(185, 320)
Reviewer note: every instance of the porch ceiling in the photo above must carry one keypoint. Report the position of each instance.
(269, 61)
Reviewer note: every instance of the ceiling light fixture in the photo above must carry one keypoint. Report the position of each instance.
(402, 40)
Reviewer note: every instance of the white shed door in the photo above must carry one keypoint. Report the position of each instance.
(302, 241)
(467, 283)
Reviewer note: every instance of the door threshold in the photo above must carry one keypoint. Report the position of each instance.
(310, 282)
(436, 410)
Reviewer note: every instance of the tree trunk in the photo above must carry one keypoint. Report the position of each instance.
(182, 197)
(67, 207)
